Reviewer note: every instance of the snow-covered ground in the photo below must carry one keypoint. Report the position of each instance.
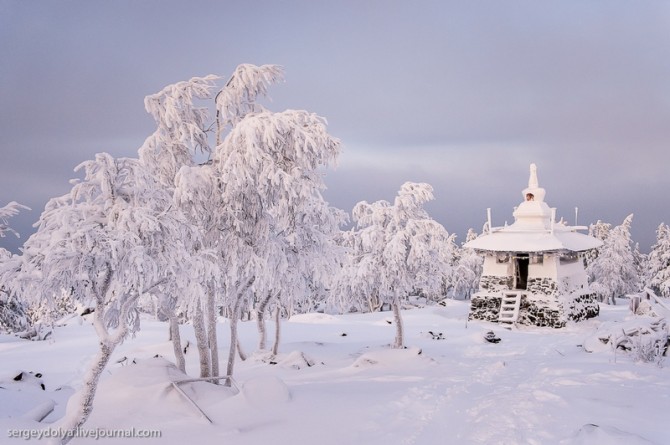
(537, 386)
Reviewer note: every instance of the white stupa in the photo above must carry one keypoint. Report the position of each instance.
(533, 269)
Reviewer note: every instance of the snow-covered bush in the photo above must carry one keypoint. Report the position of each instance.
(650, 347)
(49, 310)
(643, 338)
(13, 313)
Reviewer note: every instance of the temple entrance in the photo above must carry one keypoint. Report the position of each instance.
(521, 261)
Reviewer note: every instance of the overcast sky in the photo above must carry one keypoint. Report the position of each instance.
(462, 95)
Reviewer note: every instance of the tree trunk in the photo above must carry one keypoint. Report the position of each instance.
(210, 317)
(108, 342)
(240, 351)
(201, 340)
(375, 303)
(176, 344)
(234, 318)
(275, 347)
(399, 332)
(72, 422)
(260, 321)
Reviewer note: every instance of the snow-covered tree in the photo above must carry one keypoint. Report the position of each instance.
(273, 229)
(659, 262)
(114, 237)
(613, 272)
(468, 270)
(271, 188)
(601, 231)
(305, 257)
(180, 135)
(397, 250)
(13, 311)
(641, 261)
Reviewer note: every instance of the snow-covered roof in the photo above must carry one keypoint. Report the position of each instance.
(534, 228)
(503, 240)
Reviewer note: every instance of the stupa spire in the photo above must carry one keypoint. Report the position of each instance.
(533, 192)
(532, 181)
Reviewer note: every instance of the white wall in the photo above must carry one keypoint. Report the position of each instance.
(545, 270)
(551, 268)
(574, 273)
(492, 267)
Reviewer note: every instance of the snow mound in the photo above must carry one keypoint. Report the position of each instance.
(22, 394)
(297, 360)
(267, 390)
(388, 357)
(147, 387)
(383, 322)
(626, 334)
(20, 380)
(590, 434)
(293, 360)
(315, 318)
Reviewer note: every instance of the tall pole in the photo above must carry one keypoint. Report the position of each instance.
(488, 217)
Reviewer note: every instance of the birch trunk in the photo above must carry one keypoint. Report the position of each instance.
(210, 317)
(399, 332)
(234, 318)
(374, 303)
(108, 342)
(260, 321)
(275, 347)
(176, 344)
(240, 351)
(72, 422)
(201, 340)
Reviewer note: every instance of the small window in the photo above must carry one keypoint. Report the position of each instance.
(502, 258)
(569, 257)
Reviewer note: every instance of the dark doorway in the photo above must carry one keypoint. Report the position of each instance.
(521, 261)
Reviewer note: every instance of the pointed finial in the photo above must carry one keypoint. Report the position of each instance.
(532, 181)
(533, 192)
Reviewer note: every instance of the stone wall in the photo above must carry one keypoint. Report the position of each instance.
(535, 312)
(541, 312)
(545, 286)
(544, 305)
(492, 283)
(552, 311)
(485, 307)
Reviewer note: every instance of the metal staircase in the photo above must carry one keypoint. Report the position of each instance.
(509, 308)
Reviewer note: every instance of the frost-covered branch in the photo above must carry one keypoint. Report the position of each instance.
(6, 212)
(238, 97)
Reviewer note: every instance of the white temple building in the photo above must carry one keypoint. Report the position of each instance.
(533, 270)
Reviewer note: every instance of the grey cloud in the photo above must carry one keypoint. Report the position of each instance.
(462, 95)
